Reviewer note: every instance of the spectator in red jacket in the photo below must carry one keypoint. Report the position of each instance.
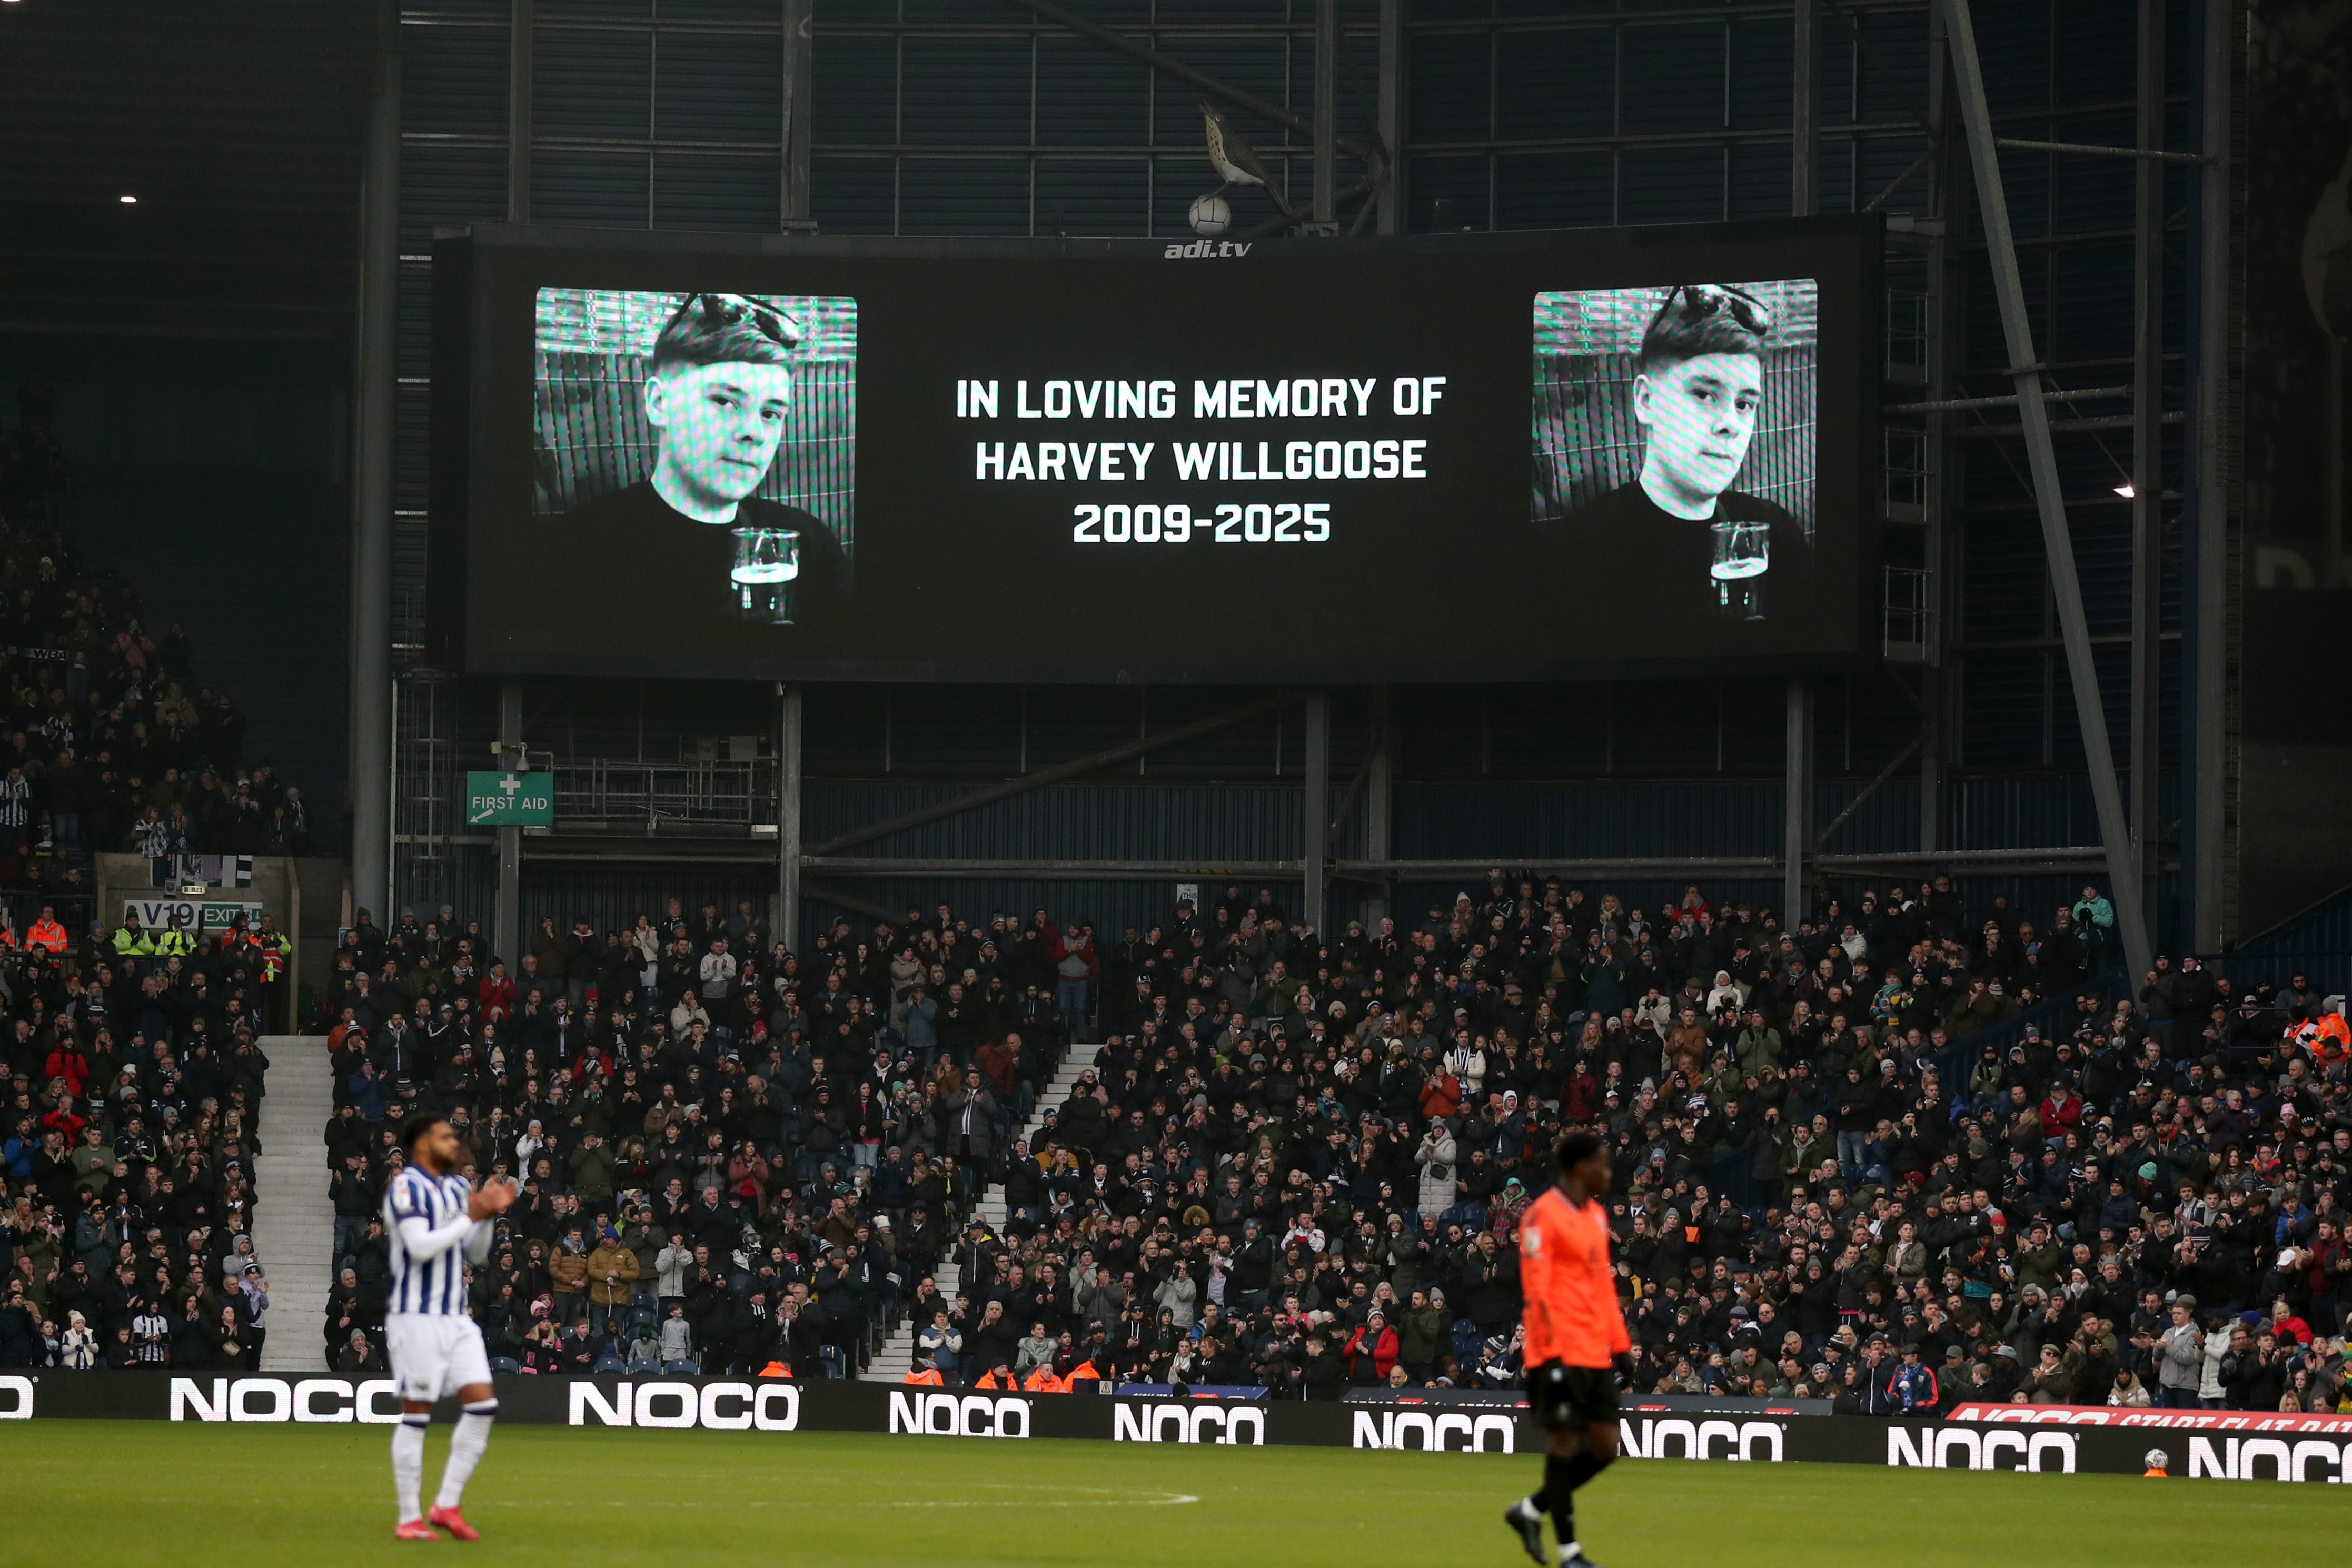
(67, 1062)
(2061, 1112)
(1371, 1350)
(496, 994)
(1076, 967)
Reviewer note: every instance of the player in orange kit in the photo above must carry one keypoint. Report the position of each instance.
(1574, 1339)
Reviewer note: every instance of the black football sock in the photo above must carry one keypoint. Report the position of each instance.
(1583, 1467)
(1560, 1489)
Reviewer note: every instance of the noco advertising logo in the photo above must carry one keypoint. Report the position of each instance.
(327, 1400)
(1447, 1431)
(714, 1407)
(1680, 1437)
(928, 1415)
(1176, 1421)
(1968, 1448)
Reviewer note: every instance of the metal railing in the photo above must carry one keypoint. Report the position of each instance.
(1909, 615)
(1905, 463)
(691, 792)
(1906, 336)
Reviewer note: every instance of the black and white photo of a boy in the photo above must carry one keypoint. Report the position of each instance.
(1697, 389)
(718, 390)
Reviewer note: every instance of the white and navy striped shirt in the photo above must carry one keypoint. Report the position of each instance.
(435, 1284)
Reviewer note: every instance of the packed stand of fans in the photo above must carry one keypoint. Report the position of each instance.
(127, 1149)
(108, 744)
(1298, 1165)
(730, 1154)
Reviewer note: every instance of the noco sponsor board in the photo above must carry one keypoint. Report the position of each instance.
(2199, 1445)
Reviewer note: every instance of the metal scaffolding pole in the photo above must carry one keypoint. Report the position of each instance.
(1326, 110)
(799, 77)
(372, 438)
(521, 24)
(1391, 116)
(1317, 802)
(506, 914)
(2206, 681)
(1796, 806)
(1797, 787)
(1380, 805)
(1946, 296)
(2057, 538)
(787, 921)
(2148, 450)
(1804, 115)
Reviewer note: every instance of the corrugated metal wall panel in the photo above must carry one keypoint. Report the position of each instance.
(1595, 820)
(1081, 197)
(1087, 96)
(592, 82)
(1554, 83)
(853, 196)
(1142, 821)
(717, 191)
(614, 898)
(1452, 93)
(2001, 813)
(448, 186)
(1670, 185)
(595, 10)
(1112, 908)
(718, 87)
(1553, 187)
(964, 196)
(856, 89)
(1465, 86)
(1673, 77)
(591, 189)
(453, 81)
(1888, 822)
(964, 91)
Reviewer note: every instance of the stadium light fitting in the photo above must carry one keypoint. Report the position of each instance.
(127, 199)
(2125, 489)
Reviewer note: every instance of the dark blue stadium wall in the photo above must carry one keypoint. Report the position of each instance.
(210, 473)
(964, 117)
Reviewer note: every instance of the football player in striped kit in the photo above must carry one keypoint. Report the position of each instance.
(437, 1224)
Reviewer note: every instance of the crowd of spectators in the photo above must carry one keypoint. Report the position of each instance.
(1297, 1164)
(106, 744)
(729, 1153)
(1846, 1170)
(126, 1149)
(134, 1072)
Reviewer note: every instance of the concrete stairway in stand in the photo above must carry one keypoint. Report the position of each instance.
(294, 1220)
(897, 1352)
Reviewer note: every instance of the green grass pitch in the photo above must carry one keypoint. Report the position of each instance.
(109, 1492)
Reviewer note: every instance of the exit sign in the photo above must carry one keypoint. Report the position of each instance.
(510, 800)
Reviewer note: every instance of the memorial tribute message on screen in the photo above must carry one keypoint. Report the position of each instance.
(1483, 457)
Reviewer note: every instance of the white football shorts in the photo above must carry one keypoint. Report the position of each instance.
(433, 1354)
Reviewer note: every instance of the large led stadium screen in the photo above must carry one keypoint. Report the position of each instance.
(1469, 458)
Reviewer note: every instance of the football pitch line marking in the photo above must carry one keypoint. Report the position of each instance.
(1161, 1500)
(1166, 1500)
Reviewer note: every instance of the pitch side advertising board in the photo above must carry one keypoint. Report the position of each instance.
(2198, 1444)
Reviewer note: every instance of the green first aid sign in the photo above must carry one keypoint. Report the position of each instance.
(510, 800)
